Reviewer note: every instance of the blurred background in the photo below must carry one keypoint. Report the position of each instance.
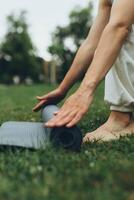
(38, 39)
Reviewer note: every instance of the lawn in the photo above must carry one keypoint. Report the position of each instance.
(99, 172)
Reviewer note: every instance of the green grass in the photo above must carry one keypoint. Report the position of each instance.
(99, 172)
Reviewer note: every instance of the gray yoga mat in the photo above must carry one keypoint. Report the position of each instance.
(35, 135)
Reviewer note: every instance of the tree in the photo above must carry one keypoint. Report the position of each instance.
(17, 52)
(66, 40)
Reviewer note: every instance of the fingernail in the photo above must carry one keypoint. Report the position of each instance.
(49, 124)
(68, 126)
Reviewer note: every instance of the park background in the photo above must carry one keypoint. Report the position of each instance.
(38, 41)
(41, 49)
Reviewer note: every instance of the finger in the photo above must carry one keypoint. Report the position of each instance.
(51, 123)
(60, 111)
(75, 120)
(41, 97)
(65, 120)
(58, 116)
(56, 112)
(39, 105)
(56, 121)
(61, 115)
(64, 110)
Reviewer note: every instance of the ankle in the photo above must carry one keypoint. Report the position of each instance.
(122, 117)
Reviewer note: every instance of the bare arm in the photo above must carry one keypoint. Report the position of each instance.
(122, 17)
(112, 39)
(82, 59)
(86, 51)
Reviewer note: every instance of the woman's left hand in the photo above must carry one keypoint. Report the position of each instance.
(72, 110)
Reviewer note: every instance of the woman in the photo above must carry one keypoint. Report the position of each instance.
(109, 51)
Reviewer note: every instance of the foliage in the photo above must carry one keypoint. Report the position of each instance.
(67, 39)
(17, 52)
(98, 172)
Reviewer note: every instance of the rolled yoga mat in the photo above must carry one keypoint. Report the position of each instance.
(35, 135)
(67, 138)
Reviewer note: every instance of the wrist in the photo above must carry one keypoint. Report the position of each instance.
(88, 86)
(62, 90)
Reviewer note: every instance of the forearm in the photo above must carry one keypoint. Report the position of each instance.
(79, 66)
(106, 54)
(86, 52)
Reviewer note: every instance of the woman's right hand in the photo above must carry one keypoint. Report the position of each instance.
(53, 97)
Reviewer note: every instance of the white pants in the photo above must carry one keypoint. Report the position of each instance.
(119, 82)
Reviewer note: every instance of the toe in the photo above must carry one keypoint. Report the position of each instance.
(129, 130)
(88, 137)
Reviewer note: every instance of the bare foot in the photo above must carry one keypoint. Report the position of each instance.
(129, 130)
(118, 124)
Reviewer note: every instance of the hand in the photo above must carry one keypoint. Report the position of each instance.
(53, 97)
(72, 111)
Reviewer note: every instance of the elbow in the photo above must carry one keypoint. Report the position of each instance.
(120, 28)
